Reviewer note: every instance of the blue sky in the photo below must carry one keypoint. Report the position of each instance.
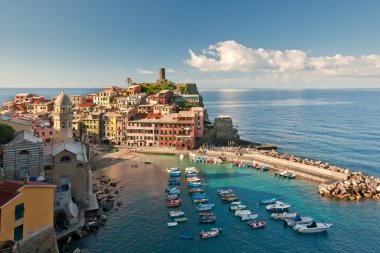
(258, 44)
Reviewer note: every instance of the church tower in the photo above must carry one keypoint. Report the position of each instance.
(63, 117)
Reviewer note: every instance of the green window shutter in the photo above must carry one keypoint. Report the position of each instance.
(19, 211)
(18, 233)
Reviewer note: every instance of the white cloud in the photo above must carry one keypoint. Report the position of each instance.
(283, 66)
(145, 72)
(119, 69)
(170, 71)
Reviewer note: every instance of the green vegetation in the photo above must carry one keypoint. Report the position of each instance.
(185, 106)
(183, 89)
(152, 88)
(6, 133)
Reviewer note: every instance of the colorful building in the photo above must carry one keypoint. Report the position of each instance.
(25, 209)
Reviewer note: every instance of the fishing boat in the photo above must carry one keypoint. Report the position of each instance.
(283, 216)
(196, 190)
(214, 232)
(241, 213)
(172, 224)
(176, 213)
(229, 199)
(191, 170)
(181, 219)
(268, 201)
(205, 207)
(189, 237)
(251, 216)
(298, 220)
(277, 207)
(206, 213)
(257, 224)
(193, 179)
(312, 228)
(237, 207)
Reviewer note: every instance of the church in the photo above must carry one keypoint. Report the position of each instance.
(71, 170)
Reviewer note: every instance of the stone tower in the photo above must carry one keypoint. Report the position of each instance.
(161, 76)
(63, 117)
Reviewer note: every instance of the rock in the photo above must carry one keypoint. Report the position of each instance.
(119, 203)
(378, 188)
(113, 184)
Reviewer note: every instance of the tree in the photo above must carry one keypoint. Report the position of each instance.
(6, 133)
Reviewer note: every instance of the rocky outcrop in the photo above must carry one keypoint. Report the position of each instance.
(106, 192)
(320, 164)
(355, 187)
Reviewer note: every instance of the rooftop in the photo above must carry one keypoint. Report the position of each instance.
(24, 136)
(77, 148)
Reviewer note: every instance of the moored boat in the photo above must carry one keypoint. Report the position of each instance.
(173, 203)
(251, 216)
(229, 199)
(172, 169)
(171, 224)
(283, 216)
(176, 213)
(237, 207)
(181, 219)
(268, 201)
(214, 232)
(241, 213)
(205, 207)
(298, 220)
(314, 227)
(202, 200)
(277, 207)
(176, 173)
(257, 224)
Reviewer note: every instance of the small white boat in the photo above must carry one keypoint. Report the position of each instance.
(236, 203)
(278, 207)
(181, 156)
(172, 224)
(225, 191)
(241, 213)
(237, 207)
(252, 216)
(173, 169)
(283, 216)
(177, 213)
(312, 228)
(298, 220)
(174, 191)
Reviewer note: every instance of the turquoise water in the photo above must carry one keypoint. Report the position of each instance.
(140, 225)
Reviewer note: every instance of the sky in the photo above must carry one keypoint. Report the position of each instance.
(215, 43)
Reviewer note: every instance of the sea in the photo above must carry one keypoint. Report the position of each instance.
(341, 127)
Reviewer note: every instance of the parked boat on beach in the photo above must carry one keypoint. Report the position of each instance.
(285, 174)
(314, 227)
(268, 201)
(298, 220)
(278, 207)
(283, 216)
(257, 224)
(214, 232)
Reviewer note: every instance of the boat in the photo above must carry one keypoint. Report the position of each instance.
(205, 213)
(196, 190)
(147, 162)
(241, 213)
(199, 196)
(251, 216)
(214, 232)
(224, 191)
(268, 201)
(264, 168)
(283, 216)
(172, 224)
(257, 224)
(193, 179)
(173, 203)
(176, 213)
(203, 200)
(236, 203)
(229, 199)
(172, 169)
(277, 207)
(314, 227)
(185, 237)
(181, 156)
(207, 218)
(176, 173)
(181, 219)
(237, 207)
(174, 183)
(192, 175)
(174, 192)
(298, 220)
(191, 170)
(205, 207)
(171, 187)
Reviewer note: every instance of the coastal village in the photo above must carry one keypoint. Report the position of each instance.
(50, 191)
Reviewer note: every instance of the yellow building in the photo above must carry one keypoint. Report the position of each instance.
(90, 128)
(110, 127)
(25, 209)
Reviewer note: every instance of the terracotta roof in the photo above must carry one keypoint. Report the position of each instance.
(10, 189)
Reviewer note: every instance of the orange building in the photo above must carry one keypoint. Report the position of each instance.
(25, 209)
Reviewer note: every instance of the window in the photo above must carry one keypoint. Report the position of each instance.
(19, 211)
(18, 233)
(24, 152)
(64, 159)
